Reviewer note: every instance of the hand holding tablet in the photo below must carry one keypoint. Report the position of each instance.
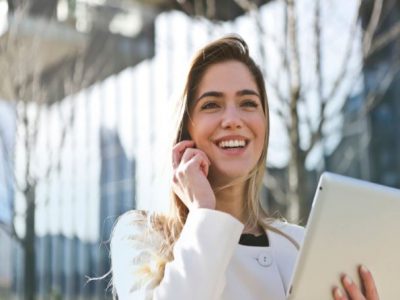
(352, 223)
(367, 291)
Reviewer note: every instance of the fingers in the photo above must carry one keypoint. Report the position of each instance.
(352, 289)
(178, 150)
(196, 158)
(191, 152)
(189, 180)
(184, 151)
(368, 283)
(193, 158)
(338, 294)
(204, 167)
(185, 158)
(353, 292)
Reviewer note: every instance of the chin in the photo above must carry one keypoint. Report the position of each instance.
(228, 174)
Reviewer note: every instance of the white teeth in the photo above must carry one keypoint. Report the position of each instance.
(232, 144)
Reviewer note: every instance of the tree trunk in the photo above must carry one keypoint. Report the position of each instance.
(29, 245)
(297, 209)
(296, 165)
(303, 180)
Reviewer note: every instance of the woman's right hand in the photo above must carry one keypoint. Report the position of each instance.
(368, 291)
(190, 170)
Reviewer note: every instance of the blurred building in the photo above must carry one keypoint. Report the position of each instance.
(67, 256)
(382, 80)
(6, 267)
(65, 264)
(371, 133)
(7, 136)
(118, 195)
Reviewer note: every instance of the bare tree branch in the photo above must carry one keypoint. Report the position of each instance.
(385, 38)
(372, 26)
(296, 164)
(10, 231)
(295, 74)
(251, 8)
(294, 67)
(375, 96)
(276, 89)
(8, 169)
(370, 46)
(187, 7)
(211, 9)
(316, 135)
(6, 153)
(275, 188)
(346, 58)
(278, 111)
(350, 154)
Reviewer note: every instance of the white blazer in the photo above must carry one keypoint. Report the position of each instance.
(208, 264)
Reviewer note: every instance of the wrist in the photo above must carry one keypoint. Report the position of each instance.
(210, 204)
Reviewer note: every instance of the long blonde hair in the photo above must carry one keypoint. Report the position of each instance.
(168, 227)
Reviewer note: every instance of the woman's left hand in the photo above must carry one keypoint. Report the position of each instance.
(368, 290)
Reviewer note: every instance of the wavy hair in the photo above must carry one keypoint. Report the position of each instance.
(168, 227)
(228, 48)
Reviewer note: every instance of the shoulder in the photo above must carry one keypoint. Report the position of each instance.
(293, 230)
(137, 226)
(128, 234)
(289, 230)
(130, 223)
(136, 258)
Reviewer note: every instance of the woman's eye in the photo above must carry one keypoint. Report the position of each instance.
(209, 105)
(250, 103)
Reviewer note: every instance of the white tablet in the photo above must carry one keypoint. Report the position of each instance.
(351, 222)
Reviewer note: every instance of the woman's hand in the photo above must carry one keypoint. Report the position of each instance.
(190, 170)
(353, 292)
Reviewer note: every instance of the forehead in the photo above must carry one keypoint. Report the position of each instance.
(229, 76)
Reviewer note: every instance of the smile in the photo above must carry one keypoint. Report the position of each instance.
(232, 144)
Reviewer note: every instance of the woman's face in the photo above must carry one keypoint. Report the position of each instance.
(227, 120)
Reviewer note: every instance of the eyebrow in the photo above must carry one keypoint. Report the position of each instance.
(247, 92)
(244, 92)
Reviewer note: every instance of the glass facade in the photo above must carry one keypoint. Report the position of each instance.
(385, 146)
(374, 148)
(7, 138)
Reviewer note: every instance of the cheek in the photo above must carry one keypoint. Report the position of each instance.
(260, 131)
(201, 130)
(259, 126)
(200, 140)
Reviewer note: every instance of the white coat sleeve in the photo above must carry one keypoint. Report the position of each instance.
(201, 257)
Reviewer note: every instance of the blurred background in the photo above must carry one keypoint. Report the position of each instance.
(87, 91)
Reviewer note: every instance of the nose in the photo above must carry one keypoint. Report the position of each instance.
(231, 118)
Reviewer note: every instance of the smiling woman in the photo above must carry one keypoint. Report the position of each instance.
(217, 242)
(228, 121)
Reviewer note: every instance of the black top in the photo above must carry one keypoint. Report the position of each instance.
(248, 239)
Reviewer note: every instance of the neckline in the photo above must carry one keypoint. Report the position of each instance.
(249, 239)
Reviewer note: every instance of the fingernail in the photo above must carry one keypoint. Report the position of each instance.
(338, 293)
(347, 280)
(364, 269)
